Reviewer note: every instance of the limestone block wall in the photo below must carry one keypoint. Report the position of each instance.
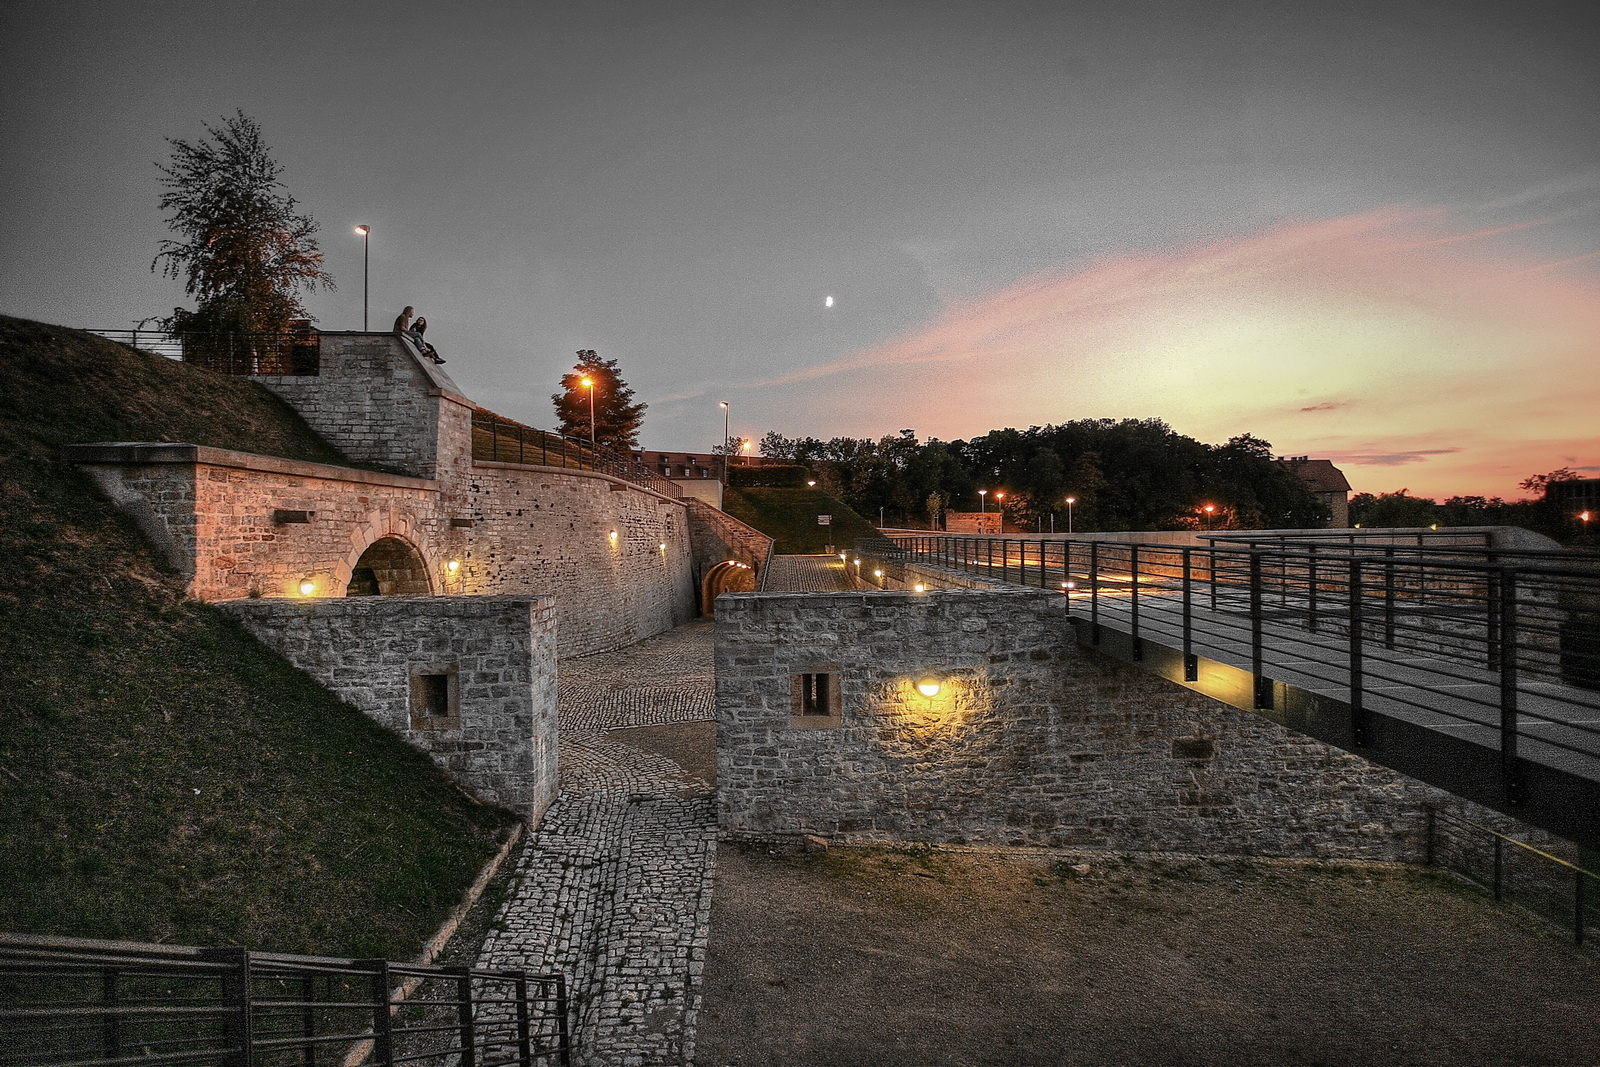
(1032, 741)
(496, 654)
(537, 528)
(374, 399)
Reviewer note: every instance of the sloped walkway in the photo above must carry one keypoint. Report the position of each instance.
(614, 888)
(807, 574)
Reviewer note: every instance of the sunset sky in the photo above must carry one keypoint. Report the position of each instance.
(1368, 232)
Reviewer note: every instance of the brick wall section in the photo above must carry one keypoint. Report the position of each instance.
(719, 538)
(366, 649)
(1033, 742)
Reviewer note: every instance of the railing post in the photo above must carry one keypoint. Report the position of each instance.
(1509, 775)
(111, 1029)
(1388, 598)
(308, 1019)
(524, 1023)
(382, 1036)
(1211, 550)
(237, 1025)
(1358, 710)
(1191, 666)
(1311, 591)
(1094, 592)
(1133, 600)
(464, 1020)
(1492, 640)
(1263, 686)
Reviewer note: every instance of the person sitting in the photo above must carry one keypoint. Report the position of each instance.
(403, 320)
(418, 329)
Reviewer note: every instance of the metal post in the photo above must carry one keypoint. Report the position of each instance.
(1388, 598)
(1492, 640)
(1509, 775)
(524, 1023)
(1358, 711)
(1094, 592)
(1263, 685)
(1191, 665)
(308, 1019)
(236, 1024)
(1311, 605)
(1133, 601)
(464, 1022)
(111, 1030)
(1211, 550)
(382, 1038)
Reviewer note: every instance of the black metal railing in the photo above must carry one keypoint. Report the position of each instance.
(498, 439)
(296, 352)
(73, 1003)
(1503, 648)
(1556, 888)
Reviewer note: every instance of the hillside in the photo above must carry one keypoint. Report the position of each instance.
(789, 517)
(165, 777)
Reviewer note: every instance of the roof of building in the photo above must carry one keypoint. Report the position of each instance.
(1320, 475)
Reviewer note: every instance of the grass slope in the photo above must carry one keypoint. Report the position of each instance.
(164, 776)
(789, 517)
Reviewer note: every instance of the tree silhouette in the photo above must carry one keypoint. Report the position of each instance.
(242, 250)
(616, 417)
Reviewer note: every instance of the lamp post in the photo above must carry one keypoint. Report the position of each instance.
(366, 239)
(744, 447)
(723, 404)
(588, 383)
(983, 499)
(1071, 500)
(1210, 509)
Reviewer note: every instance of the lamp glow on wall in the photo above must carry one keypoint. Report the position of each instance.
(613, 536)
(308, 586)
(453, 566)
(920, 588)
(929, 685)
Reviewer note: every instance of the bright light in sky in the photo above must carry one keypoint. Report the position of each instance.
(828, 303)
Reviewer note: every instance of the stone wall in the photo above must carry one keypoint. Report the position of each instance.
(1032, 741)
(720, 543)
(497, 656)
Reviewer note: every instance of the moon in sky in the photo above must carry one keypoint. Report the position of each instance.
(827, 302)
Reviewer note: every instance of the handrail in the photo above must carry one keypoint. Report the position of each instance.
(294, 352)
(497, 439)
(1497, 881)
(75, 1002)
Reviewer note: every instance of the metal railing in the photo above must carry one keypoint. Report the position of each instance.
(297, 352)
(1513, 870)
(75, 1003)
(498, 439)
(1502, 648)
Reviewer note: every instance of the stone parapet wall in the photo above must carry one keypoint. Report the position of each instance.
(500, 744)
(1032, 741)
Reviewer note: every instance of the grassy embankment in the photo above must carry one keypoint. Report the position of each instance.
(163, 775)
(789, 517)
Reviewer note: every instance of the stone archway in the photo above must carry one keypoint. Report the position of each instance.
(729, 576)
(390, 566)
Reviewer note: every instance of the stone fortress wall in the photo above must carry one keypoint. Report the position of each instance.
(1032, 741)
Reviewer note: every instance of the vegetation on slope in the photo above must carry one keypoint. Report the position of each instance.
(789, 517)
(164, 776)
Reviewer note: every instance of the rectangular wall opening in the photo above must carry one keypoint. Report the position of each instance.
(435, 698)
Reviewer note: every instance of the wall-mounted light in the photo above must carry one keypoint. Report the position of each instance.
(845, 556)
(1068, 585)
(928, 685)
(856, 562)
(662, 546)
(308, 585)
(876, 573)
(453, 566)
(919, 587)
(613, 536)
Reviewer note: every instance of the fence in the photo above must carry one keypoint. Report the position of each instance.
(72, 1003)
(497, 439)
(1513, 870)
(1501, 643)
(296, 352)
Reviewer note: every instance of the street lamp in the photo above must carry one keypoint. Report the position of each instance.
(744, 446)
(1210, 509)
(1071, 500)
(366, 235)
(723, 404)
(588, 383)
(983, 499)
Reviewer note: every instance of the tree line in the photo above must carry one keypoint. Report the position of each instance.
(1132, 474)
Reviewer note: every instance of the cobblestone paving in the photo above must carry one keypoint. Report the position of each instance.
(614, 888)
(807, 574)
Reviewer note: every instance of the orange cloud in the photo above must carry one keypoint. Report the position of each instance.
(1386, 334)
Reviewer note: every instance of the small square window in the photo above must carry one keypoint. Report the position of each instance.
(814, 697)
(435, 699)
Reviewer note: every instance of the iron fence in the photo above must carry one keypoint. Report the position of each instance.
(1502, 648)
(1551, 886)
(497, 439)
(296, 352)
(67, 1002)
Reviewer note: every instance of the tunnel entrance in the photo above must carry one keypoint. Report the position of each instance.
(729, 576)
(389, 567)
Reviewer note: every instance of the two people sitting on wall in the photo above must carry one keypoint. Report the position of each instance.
(414, 331)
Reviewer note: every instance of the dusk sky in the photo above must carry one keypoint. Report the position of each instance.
(1368, 232)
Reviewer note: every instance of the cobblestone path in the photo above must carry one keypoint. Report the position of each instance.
(807, 574)
(614, 888)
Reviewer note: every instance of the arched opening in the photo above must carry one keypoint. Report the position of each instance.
(729, 576)
(389, 567)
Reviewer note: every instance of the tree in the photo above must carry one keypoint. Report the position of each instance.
(243, 251)
(616, 417)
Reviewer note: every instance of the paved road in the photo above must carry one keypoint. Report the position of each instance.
(614, 888)
(806, 574)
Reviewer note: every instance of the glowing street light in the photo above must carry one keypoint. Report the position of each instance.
(1209, 509)
(1071, 500)
(588, 383)
(983, 498)
(723, 404)
(366, 235)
